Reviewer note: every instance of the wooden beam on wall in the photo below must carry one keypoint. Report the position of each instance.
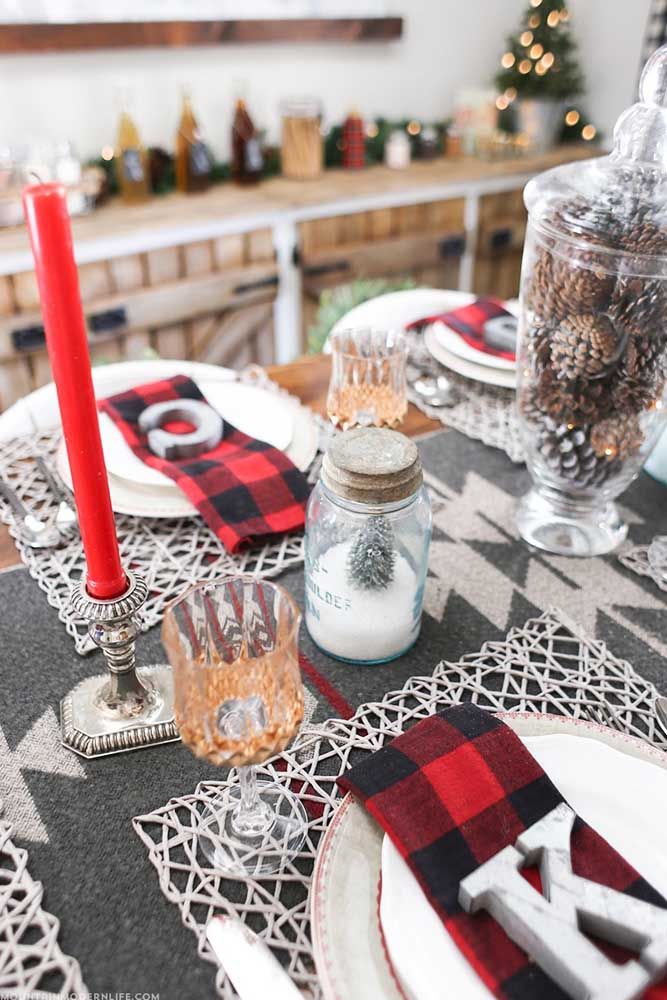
(144, 34)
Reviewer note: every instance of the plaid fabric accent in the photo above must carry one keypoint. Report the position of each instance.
(468, 322)
(453, 791)
(244, 489)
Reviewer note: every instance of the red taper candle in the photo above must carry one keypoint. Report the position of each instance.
(48, 223)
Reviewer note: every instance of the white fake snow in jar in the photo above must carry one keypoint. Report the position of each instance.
(364, 626)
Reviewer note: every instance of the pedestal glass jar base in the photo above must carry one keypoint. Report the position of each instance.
(255, 843)
(569, 527)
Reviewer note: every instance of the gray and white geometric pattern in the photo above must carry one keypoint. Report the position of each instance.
(31, 959)
(548, 665)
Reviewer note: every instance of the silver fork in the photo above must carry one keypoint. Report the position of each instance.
(34, 532)
(67, 521)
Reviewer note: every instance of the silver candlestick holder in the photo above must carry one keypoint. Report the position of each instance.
(130, 707)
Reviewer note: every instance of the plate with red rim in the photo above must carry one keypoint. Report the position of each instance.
(366, 945)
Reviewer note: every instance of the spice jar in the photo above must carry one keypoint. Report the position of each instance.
(302, 147)
(368, 529)
(592, 358)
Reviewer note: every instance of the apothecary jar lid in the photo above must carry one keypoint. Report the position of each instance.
(615, 205)
(373, 466)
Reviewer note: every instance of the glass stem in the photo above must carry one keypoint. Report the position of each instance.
(249, 793)
(252, 817)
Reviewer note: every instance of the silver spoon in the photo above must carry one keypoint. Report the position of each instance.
(35, 533)
(436, 390)
(67, 521)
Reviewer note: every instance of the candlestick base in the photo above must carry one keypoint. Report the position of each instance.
(91, 732)
(128, 708)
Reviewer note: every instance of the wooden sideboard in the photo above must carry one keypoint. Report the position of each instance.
(234, 275)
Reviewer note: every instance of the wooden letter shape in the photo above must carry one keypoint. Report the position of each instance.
(207, 433)
(549, 927)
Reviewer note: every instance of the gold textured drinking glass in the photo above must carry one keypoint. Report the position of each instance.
(368, 378)
(238, 699)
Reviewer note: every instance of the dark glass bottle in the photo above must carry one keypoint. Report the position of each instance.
(247, 158)
(193, 159)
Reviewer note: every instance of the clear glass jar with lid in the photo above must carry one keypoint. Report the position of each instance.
(592, 357)
(368, 529)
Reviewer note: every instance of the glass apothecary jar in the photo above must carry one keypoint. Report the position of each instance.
(302, 146)
(592, 358)
(368, 529)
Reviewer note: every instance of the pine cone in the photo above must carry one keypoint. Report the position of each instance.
(538, 346)
(639, 306)
(568, 453)
(585, 345)
(576, 402)
(555, 287)
(617, 437)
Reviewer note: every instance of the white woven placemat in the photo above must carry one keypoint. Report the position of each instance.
(548, 665)
(484, 412)
(170, 554)
(636, 558)
(31, 959)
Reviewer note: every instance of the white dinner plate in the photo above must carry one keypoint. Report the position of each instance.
(137, 489)
(615, 782)
(252, 410)
(469, 369)
(453, 342)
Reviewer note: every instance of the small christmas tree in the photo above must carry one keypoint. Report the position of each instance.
(541, 60)
(370, 564)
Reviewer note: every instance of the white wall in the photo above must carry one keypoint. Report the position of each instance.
(447, 45)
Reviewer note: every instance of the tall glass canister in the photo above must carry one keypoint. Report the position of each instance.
(593, 334)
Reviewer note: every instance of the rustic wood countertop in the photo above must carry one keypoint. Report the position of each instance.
(116, 229)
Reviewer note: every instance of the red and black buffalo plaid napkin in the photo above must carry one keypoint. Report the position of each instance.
(244, 489)
(453, 791)
(469, 322)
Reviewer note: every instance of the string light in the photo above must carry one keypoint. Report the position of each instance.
(508, 60)
(414, 127)
(536, 51)
(372, 130)
(534, 21)
(553, 18)
(565, 15)
(526, 38)
(107, 153)
(510, 93)
(572, 117)
(535, 3)
(541, 69)
(525, 66)
(588, 132)
(548, 59)
(502, 103)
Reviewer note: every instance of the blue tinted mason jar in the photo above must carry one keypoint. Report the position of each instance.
(368, 529)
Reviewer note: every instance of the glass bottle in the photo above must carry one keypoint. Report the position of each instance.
(247, 158)
(368, 530)
(131, 159)
(193, 159)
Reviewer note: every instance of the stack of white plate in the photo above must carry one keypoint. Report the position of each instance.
(375, 933)
(142, 491)
(399, 309)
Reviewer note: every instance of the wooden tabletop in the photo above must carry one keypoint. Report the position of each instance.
(306, 378)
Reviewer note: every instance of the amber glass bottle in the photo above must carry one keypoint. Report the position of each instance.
(193, 159)
(131, 161)
(247, 159)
